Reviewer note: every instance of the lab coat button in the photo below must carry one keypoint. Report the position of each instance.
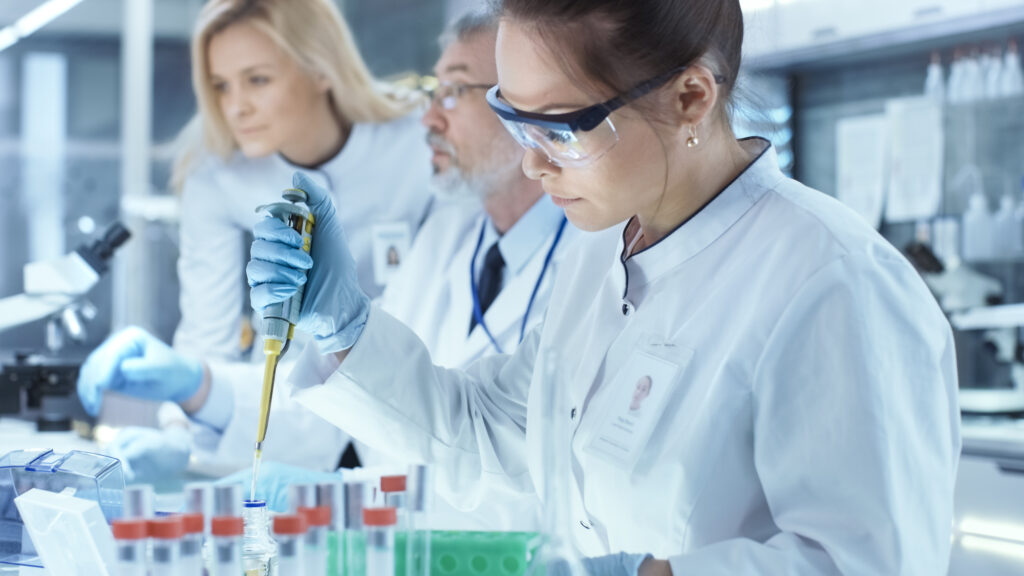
(572, 413)
(585, 524)
(626, 308)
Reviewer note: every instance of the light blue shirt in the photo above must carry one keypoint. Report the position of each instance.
(523, 239)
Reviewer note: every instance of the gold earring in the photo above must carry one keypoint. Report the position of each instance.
(692, 141)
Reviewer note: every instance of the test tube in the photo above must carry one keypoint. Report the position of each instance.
(199, 500)
(227, 501)
(332, 495)
(318, 518)
(380, 540)
(393, 488)
(418, 500)
(138, 501)
(226, 535)
(166, 534)
(356, 496)
(301, 496)
(131, 546)
(290, 532)
(192, 545)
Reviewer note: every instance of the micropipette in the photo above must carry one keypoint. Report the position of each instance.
(279, 319)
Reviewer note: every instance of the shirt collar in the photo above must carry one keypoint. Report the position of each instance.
(708, 223)
(527, 235)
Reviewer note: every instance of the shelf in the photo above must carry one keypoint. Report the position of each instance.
(938, 34)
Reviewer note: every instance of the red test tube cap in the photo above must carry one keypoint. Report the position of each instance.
(227, 526)
(380, 516)
(129, 529)
(392, 483)
(290, 524)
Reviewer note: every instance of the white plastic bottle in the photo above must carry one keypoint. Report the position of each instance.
(1007, 237)
(994, 75)
(977, 229)
(971, 82)
(953, 83)
(1012, 78)
(380, 540)
(934, 84)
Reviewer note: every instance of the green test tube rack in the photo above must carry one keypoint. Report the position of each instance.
(459, 553)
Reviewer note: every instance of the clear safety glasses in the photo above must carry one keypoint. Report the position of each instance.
(573, 138)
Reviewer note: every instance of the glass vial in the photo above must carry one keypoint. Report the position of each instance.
(192, 545)
(290, 533)
(226, 545)
(357, 494)
(318, 519)
(380, 540)
(130, 536)
(259, 551)
(167, 534)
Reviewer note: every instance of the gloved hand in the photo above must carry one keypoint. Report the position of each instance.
(621, 564)
(334, 307)
(275, 478)
(151, 454)
(136, 363)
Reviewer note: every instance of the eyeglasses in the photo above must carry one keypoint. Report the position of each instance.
(447, 94)
(573, 138)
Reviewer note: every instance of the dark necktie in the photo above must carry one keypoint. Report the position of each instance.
(490, 281)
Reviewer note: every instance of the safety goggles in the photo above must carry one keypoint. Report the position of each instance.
(573, 138)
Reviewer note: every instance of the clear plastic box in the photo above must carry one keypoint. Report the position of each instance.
(91, 476)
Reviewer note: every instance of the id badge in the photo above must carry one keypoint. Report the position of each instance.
(391, 243)
(635, 402)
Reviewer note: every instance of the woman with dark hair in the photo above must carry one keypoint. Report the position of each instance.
(805, 419)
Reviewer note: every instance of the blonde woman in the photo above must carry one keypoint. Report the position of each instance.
(280, 87)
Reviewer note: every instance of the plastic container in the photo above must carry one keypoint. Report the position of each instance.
(259, 551)
(70, 535)
(1012, 78)
(199, 500)
(318, 519)
(934, 84)
(226, 546)
(395, 496)
(88, 476)
(977, 229)
(166, 534)
(290, 532)
(460, 553)
(380, 540)
(130, 537)
(192, 544)
(1007, 234)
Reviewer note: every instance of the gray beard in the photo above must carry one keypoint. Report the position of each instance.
(452, 184)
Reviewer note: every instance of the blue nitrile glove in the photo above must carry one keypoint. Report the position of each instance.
(151, 454)
(275, 478)
(621, 564)
(136, 363)
(334, 307)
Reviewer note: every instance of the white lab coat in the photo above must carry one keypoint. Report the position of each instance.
(811, 428)
(380, 177)
(431, 295)
(431, 291)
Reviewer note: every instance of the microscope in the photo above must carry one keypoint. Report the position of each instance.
(990, 350)
(43, 386)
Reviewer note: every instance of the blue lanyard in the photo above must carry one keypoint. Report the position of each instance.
(477, 311)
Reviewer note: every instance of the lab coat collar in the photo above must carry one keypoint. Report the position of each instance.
(348, 158)
(526, 236)
(707, 224)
